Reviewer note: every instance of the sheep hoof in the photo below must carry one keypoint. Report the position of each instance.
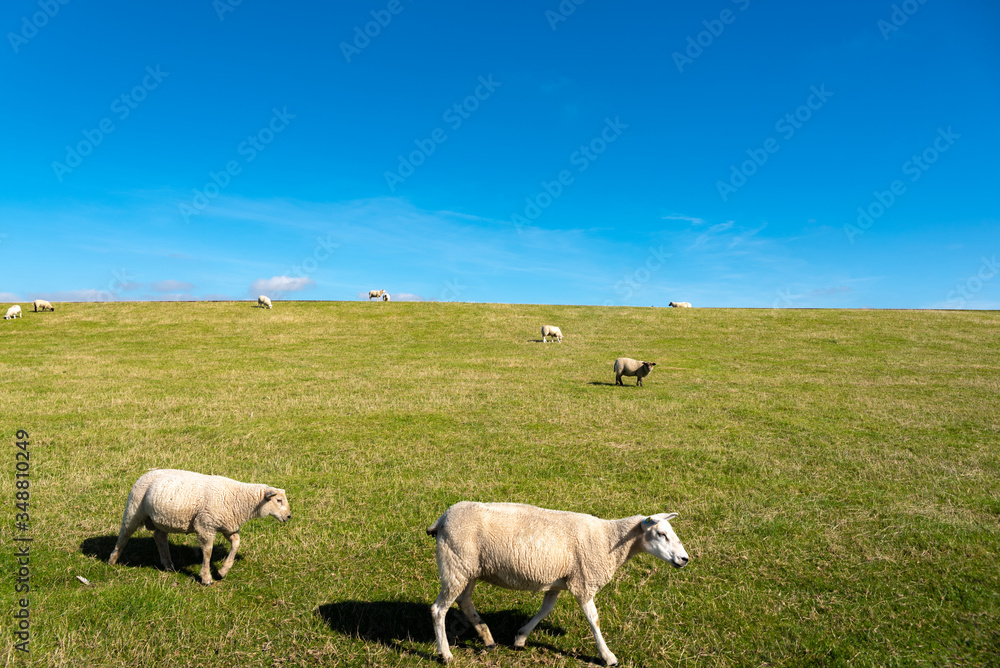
(209, 583)
(490, 648)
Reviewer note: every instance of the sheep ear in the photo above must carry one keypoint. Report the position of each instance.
(270, 494)
(670, 516)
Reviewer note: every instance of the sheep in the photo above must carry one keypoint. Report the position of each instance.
(523, 547)
(385, 297)
(553, 332)
(626, 366)
(171, 501)
(680, 304)
(375, 294)
(13, 312)
(42, 305)
(263, 302)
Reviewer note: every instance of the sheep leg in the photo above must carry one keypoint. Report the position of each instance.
(205, 540)
(129, 527)
(163, 547)
(548, 603)
(638, 382)
(618, 380)
(590, 612)
(465, 602)
(234, 541)
(449, 592)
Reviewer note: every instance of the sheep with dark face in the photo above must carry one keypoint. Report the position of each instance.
(13, 312)
(680, 304)
(375, 294)
(170, 501)
(523, 547)
(626, 366)
(42, 305)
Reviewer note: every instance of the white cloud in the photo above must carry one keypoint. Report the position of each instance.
(281, 284)
(406, 297)
(8, 297)
(693, 221)
(170, 286)
(74, 296)
(171, 297)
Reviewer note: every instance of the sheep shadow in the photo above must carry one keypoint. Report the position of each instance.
(142, 553)
(609, 383)
(398, 625)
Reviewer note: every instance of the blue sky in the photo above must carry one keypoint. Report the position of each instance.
(726, 153)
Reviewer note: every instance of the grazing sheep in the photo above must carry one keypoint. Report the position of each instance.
(263, 302)
(375, 294)
(552, 332)
(385, 297)
(522, 547)
(13, 312)
(42, 305)
(170, 501)
(626, 366)
(680, 304)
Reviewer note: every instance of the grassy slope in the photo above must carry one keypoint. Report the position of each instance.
(836, 473)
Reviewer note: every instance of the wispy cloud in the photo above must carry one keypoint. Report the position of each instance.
(74, 296)
(407, 297)
(677, 216)
(823, 292)
(170, 286)
(8, 297)
(281, 284)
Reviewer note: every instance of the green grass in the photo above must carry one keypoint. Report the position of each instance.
(837, 475)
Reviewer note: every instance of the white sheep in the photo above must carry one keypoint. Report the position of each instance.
(375, 294)
(171, 501)
(263, 302)
(626, 366)
(552, 332)
(13, 312)
(680, 304)
(385, 297)
(42, 305)
(522, 547)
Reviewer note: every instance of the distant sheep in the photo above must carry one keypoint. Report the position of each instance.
(263, 302)
(13, 312)
(170, 501)
(680, 304)
(522, 547)
(626, 366)
(42, 305)
(385, 297)
(375, 294)
(551, 332)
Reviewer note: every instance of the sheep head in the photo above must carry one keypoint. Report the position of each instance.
(275, 505)
(660, 540)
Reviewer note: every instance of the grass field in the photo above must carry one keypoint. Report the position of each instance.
(837, 475)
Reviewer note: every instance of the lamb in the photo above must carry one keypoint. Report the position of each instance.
(385, 297)
(523, 547)
(680, 304)
(171, 501)
(13, 312)
(263, 302)
(375, 294)
(626, 366)
(42, 305)
(552, 332)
